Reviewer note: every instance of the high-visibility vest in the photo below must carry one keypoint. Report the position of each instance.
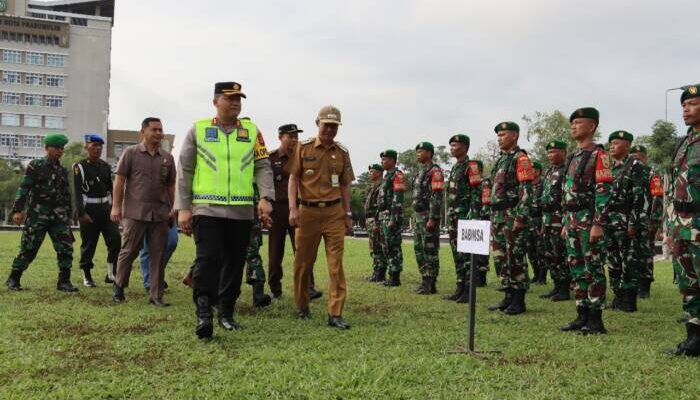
(225, 163)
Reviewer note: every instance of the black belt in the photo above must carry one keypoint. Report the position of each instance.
(319, 204)
(686, 206)
(504, 205)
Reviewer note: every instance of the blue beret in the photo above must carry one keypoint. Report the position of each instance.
(94, 138)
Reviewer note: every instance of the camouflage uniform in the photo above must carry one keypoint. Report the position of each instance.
(656, 211)
(462, 188)
(554, 245)
(390, 209)
(482, 210)
(535, 250)
(45, 194)
(254, 271)
(428, 186)
(373, 230)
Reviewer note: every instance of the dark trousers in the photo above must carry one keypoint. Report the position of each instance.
(134, 232)
(277, 237)
(220, 256)
(90, 235)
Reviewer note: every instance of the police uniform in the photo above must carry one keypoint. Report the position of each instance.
(93, 197)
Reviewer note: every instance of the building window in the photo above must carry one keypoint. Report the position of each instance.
(31, 141)
(35, 58)
(34, 79)
(54, 101)
(55, 60)
(11, 77)
(12, 56)
(32, 99)
(10, 98)
(8, 139)
(55, 80)
(32, 121)
(9, 119)
(54, 122)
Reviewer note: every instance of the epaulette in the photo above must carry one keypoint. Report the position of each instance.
(307, 141)
(345, 149)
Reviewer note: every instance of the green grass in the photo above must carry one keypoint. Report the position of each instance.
(56, 345)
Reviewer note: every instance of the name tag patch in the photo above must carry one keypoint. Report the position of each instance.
(211, 135)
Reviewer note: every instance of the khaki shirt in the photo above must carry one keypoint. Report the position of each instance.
(148, 178)
(321, 170)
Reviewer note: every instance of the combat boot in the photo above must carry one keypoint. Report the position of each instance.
(691, 345)
(552, 292)
(542, 275)
(481, 278)
(580, 321)
(375, 277)
(563, 293)
(617, 300)
(424, 287)
(394, 279)
(118, 294)
(517, 306)
(459, 289)
(629, 301)
(644, 288)
(464, 296)
(505, 302)
(433, 285)
(64, 284)
(594, 326)
(87, 279)
(205, 326)
(12, 282)
(260, 299)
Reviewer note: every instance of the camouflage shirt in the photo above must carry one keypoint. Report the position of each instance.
(628, 207)
(656, 199)
(44, 189)
(550, 197)
(512, 178)
(463, 188)
(390, 195)
(428, 186)
(684, 222)
(371, 200)
(482, 203)
(587, 184)
(535, 207)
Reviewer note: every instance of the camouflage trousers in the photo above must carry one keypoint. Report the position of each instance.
(36, 226)
(254, 271)
(426, 245)
(623, 263)
(555, 253)
(509, 249)
(686, 265)
(535, 248)
(462, 260)
(647, 242)
(390, 240)
(586, 262)
(375, 244)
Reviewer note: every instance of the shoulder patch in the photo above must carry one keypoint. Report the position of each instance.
(524, 171)
(603, 172)
(437, 179)
(399, 184)
(474, 174)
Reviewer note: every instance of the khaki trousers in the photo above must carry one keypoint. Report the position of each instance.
(132, 242)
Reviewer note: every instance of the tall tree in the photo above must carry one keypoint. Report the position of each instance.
(542, 128)
(10, 177)
(661, 144)
(488, 155)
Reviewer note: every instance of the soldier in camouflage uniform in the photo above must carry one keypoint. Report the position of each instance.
(683, 232)
(373, 225)
(586, 192)
(481, 210)
(462, 188)
(535, 250)
(550, 201)
(511, 199)
(390, 211)
(627, 221)
(254, 271)
(44, 194)
(428, 186)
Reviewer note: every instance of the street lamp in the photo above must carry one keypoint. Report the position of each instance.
(669, 90)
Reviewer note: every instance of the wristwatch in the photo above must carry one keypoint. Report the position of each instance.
(348, 213)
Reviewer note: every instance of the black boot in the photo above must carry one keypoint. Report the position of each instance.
(563, 293)
(226, 321)
(394, 279)
(505, 302)
(552, 292)
(63, 283)
(481, 278)
(12, 282)
(691, 345)
(644, 288)
(543, 275)
(629, 301)
(617, 300)
(381, 276)
(424, 287)
(87, 278)
(377, 276)
(580, 321)
(517, 306)
(433, 285)
(464, 297)
(594, 326)
(117, 294)
(205, 325)
(459, 289)
(260, 299)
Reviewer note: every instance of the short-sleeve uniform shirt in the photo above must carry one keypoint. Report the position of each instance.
(321, 170)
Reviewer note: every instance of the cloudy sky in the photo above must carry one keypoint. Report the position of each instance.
(403, 71)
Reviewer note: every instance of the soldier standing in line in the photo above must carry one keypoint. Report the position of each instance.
(373, 226)
(550, 201)
(585, 194)
(511, 199)
(92, 178)
(428, 186)
(535, 251)
(45, 197)
(482, 211)
(390, 211)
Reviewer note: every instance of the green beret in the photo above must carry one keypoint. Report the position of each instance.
(507, 126)
(638, 148)
(55, 140)
(376, 167)
(690, 92)
(624, 135)
(460, 138)
(389, 153)
(556, 144)
(585, 112)
(537, 165)
(426, 146)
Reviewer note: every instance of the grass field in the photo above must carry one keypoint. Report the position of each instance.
(56, 345)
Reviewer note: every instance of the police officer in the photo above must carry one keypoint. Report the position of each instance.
(390, 211)
(511, 199)
(44, 196)
(221, 149)
(373, 225)
(428, 186)
(92, 180)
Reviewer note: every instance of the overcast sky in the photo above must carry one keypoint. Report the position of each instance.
(403, 71)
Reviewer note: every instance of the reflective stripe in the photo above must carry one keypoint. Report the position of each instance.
(207, 157)
(216, 197)
(96, 200)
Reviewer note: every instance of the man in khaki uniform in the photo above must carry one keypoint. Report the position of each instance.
(320, 174)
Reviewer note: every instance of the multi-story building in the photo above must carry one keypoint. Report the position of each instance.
(54, 72)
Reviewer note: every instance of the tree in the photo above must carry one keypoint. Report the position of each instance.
(661, 144)
(358, 194)
(544, 127)
(73, 153)
(488, 156)
(11, 173)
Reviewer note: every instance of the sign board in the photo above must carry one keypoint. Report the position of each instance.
(473, 236)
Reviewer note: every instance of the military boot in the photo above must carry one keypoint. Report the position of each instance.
(87, 278)
(459, 289)
(594, 326)
(644, 288)
(376, 276)
(691, 345)
(517, 306)
(481, 278)
(226, 321)
(433, 285)
(552, 292)
(629, 301)
(118, 294)
(617, 300)
(424, 287)
(205, 326)
(542, 275)
(63, 283)
(505, 302)
(580, 321)
(260, 299)
(464, 296)
(394, 279)
(563, 293)
(12, 282)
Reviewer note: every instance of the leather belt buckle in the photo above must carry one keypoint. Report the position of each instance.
(321, 204)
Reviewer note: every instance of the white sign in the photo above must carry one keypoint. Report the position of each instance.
(473, 236)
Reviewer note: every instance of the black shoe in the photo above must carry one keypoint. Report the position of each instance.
(158, 303)
(691, 345)
(552, 292)
(594, 326)
(118, 294)
(87, 279)
(205, 327)
(64, 284)
(338, 322)
(579, 322)
(12, 282)
(277, 295)
(563, 293)
(517, 306)
(394, 280)
(377, 276)
(314, 294)
(481, 278)
(464, 296)
(504, 303)
(617, 300)
(433, 285)
(425, 287)
(629, 300)
(644, 288)
(260, 299)
(229, 324)
(458, 292)
(303, 314)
